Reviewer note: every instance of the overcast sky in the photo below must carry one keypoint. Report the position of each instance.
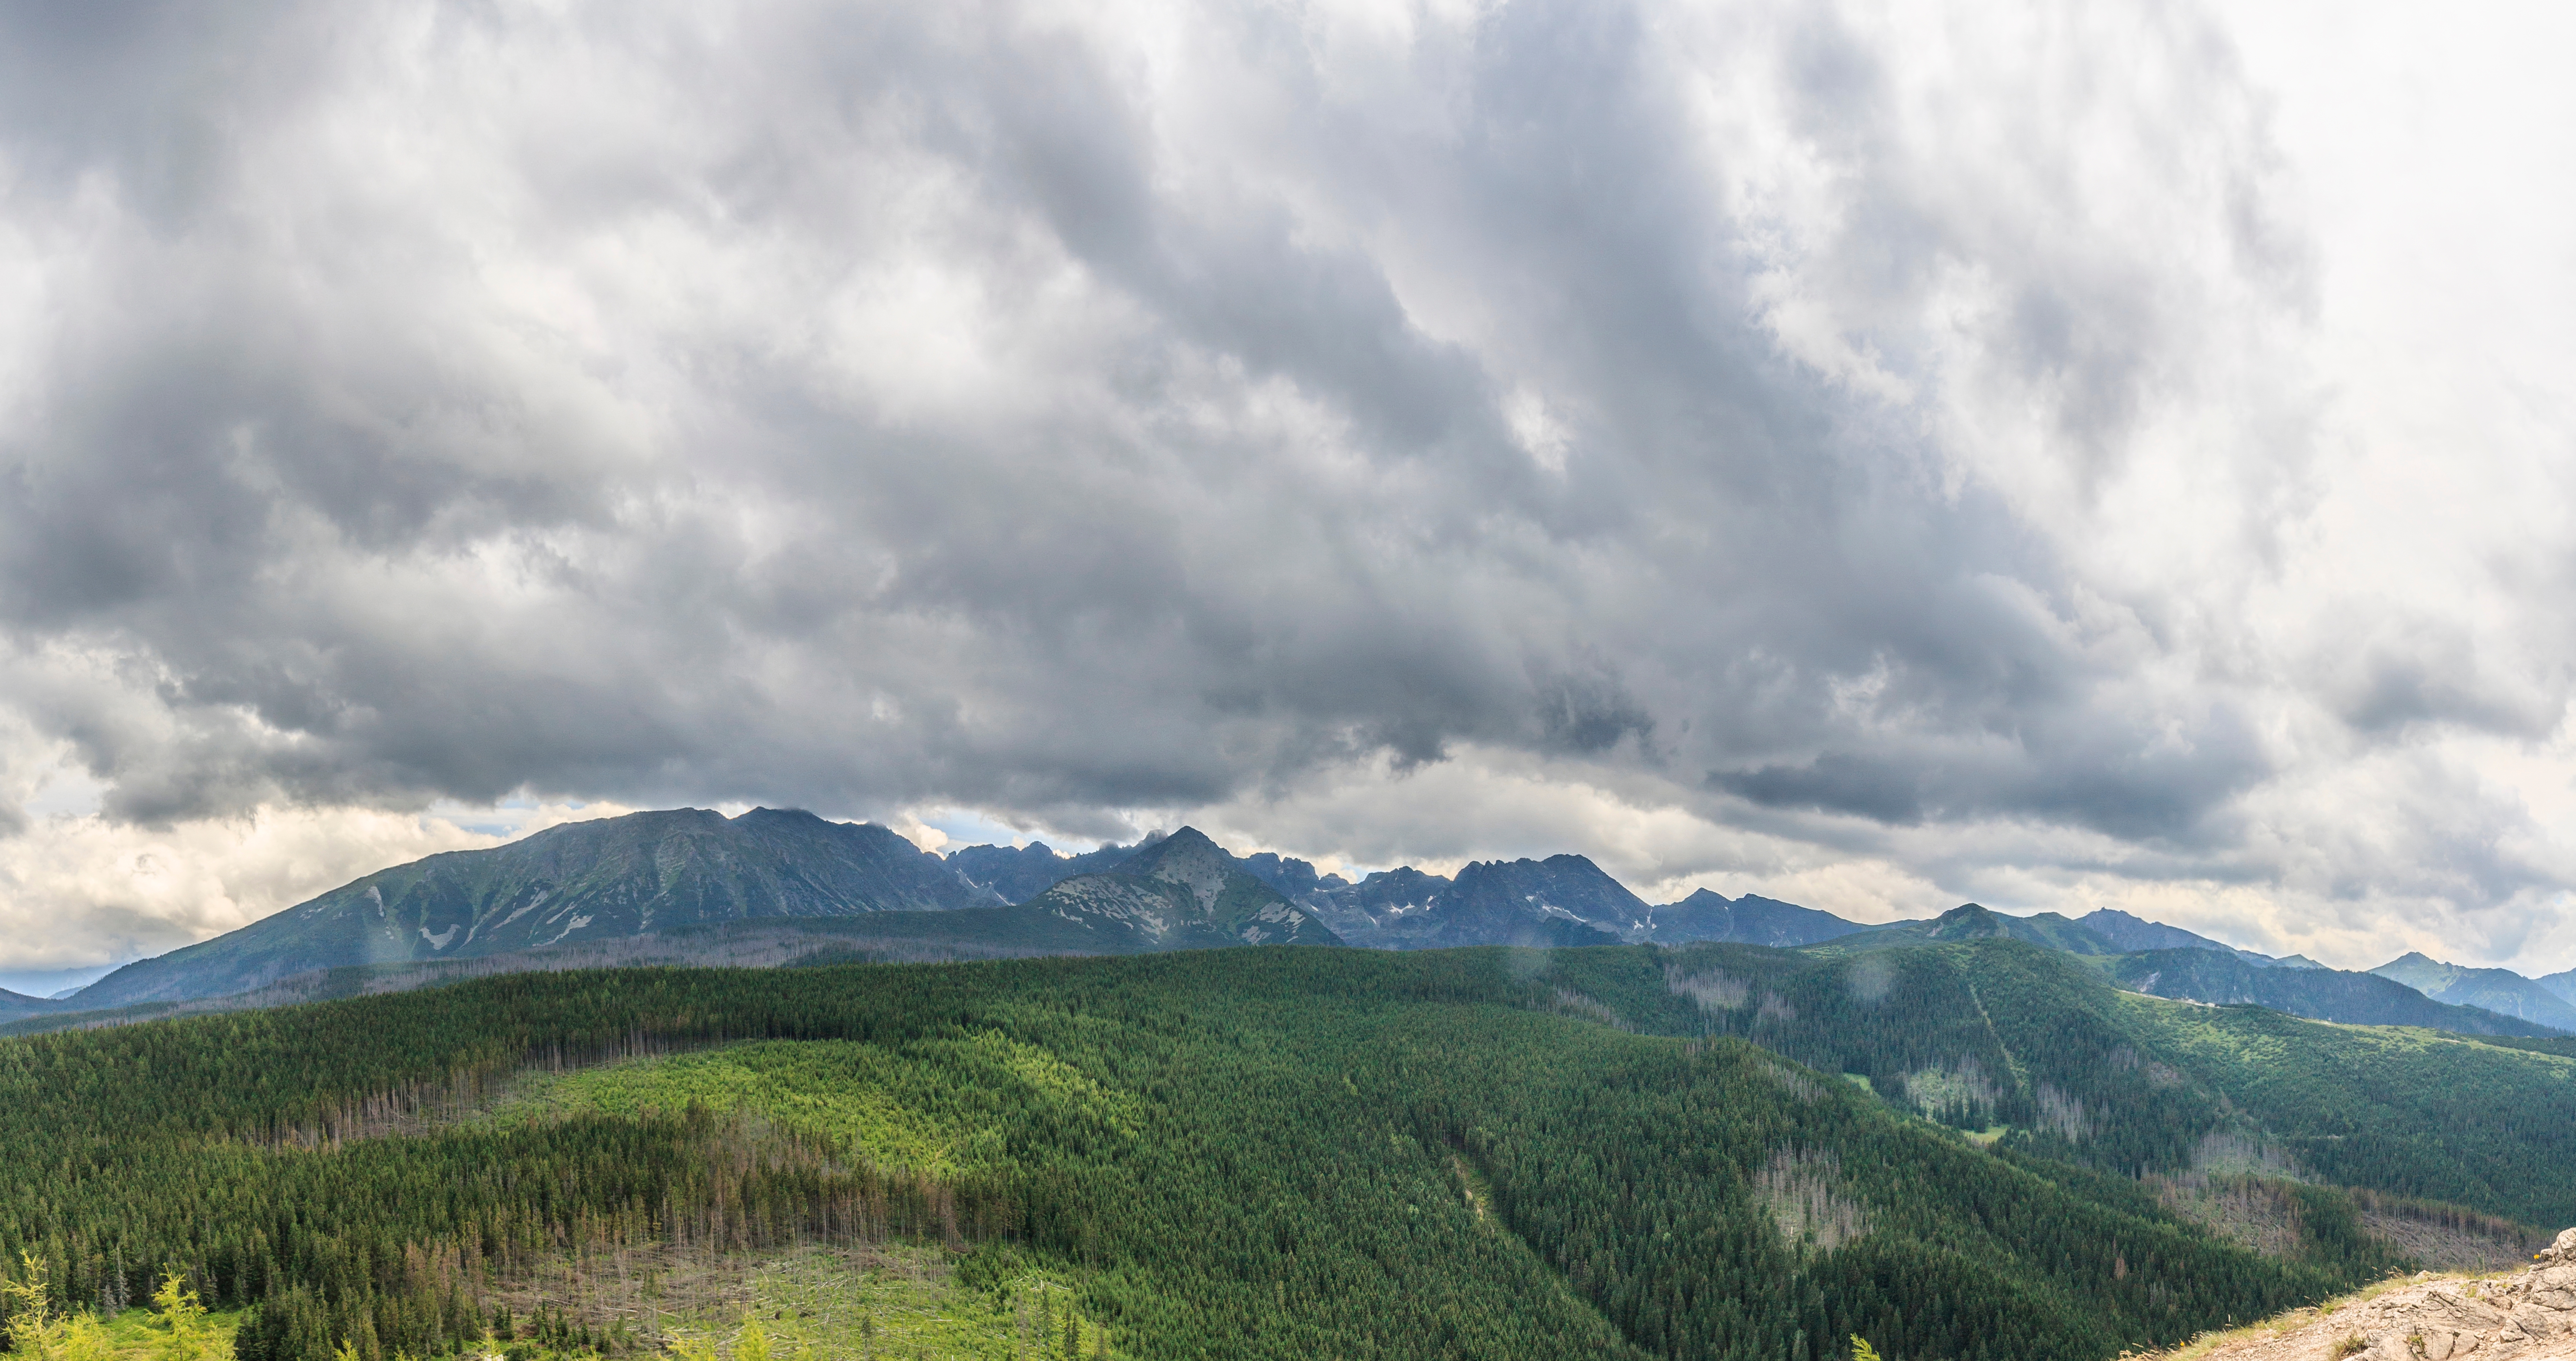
(2061, 456)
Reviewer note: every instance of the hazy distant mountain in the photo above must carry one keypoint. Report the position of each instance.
(1972, 921)
(2136, 933)
(1015, 875)
(1564, 900)
(1183, 892)
(2321, 994)
(2563, 984)
(1703, 916)
(1372, 911)
(2497, 990)
(2103, 932)
(580, 881)
(645, 873)
(1296, 879)
(14, 1005)
(1749, 920)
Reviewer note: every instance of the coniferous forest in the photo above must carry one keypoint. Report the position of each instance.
(1629, 1152)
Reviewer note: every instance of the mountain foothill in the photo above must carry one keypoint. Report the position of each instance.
(582, 891)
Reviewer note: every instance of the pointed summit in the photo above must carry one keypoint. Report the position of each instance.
(1968, 921)
(1187, 859)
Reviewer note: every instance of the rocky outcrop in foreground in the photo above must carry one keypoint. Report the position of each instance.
(2527, 1316)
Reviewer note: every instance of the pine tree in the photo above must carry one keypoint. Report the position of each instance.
(37, 1332)
(184, 1316)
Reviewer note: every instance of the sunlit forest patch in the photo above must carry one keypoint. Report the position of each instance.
(930, 1105)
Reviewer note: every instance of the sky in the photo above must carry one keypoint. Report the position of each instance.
(1877, 456)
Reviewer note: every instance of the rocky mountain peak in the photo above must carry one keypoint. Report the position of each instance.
(1186, 858)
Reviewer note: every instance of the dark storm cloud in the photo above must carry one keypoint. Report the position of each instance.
(860, 407)
(2126, 784)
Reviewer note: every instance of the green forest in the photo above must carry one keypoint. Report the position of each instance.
(1631, 1152)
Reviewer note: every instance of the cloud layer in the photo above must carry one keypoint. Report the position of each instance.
(2058, 458)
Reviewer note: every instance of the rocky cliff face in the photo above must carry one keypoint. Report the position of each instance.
(2526, 1316)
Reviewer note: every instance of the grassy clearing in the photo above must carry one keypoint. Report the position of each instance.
(935, 1105)
(892, 1304)
(938, 1106)
(141, 1335)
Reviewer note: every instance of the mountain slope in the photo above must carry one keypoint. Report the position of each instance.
(1995, 1032)
(1564, 900)
(1182, 892)
(2319, 994)
(1749, 920)
(2205, 972)
(1263, 1155)
(2497, 990)
(2563, 984)
(653, 872)
(2138, 934)
(1372, 911)
(1017, 874)
(580, 881)
(1972, 921)
(1295, 879)
(14, 1005)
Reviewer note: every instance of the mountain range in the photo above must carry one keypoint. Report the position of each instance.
(2319, 994)
(2497, 990)
(2099, 933)
(649, 875)
(1180, 893)
(621, 876)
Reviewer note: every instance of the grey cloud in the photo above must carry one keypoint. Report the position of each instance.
(110, 932)
(2127, 784)
(856, 407)
(2417, 672)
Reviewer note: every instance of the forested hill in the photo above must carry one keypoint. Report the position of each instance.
(1997, 1032)
(1241, 1153)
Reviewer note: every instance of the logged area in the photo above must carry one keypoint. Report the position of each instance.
(1962, 1152)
